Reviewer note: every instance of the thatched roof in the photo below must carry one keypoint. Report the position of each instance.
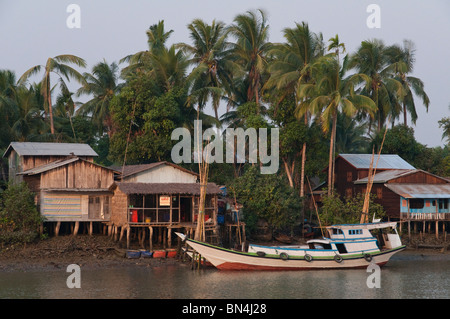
(166, 188)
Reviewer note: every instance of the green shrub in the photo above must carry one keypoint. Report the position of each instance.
(19, 217)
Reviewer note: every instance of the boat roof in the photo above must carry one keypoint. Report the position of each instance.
(364, 226)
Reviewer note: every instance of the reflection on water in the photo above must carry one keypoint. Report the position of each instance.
(405, 276)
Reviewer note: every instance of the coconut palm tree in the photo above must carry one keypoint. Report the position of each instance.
(213, 70)
(402, 62)
(372, 59)
(156, 40)
(102, 84)
(56, 65)
(291, 68)
(332, 93)
(251, 49)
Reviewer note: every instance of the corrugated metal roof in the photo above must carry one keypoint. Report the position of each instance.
(49, 166)
(421, 190)
(385, 176)
(56, 164)
(386, 161)
(48, 149)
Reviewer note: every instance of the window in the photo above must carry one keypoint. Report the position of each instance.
(355, 231)
(415, 203)
(443, 204)
(379, 192)
(337, 231)
(349, 176)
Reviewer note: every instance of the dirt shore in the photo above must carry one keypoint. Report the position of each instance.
(95, 251)
(99, 251)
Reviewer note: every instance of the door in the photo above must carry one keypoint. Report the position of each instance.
(94, 207)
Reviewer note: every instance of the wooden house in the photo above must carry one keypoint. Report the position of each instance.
(406, 194)
(68, 187)
(23, 156)
(160, 195)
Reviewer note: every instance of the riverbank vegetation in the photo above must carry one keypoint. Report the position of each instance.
(323, 99)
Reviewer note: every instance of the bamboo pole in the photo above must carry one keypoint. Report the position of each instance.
(372, 172)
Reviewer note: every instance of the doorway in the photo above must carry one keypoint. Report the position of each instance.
(186, 209)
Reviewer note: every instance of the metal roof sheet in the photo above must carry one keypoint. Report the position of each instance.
(386, 161)
(384, 176)
(48, 149)
(56, 164)
(421, 190)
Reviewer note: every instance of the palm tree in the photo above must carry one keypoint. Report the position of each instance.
(58, 66)
(444, 123)
(213, 72)
(102, 83)
(291, 68)
(402, 60)
(251, 49)
(332, 93)
(28, 124)
(372, 59)
(156, 40)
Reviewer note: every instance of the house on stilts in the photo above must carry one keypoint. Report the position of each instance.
(154, 199)
(409, 195)
(71, 190)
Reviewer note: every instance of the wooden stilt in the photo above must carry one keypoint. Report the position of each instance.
(122, 229)
(150, 239)
(164, 231)
(75, 229)
(409, 229)
(57, 227)
(90, 228)
(169, 237)
(437, 229)
(128, 236)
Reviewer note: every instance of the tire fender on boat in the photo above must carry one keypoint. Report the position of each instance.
(284, 256)
(308, 257)
(260, 253)
(338, 258)
(368, 257)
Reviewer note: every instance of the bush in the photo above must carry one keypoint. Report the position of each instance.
(19, 217)
(267, 197)
(336, 211)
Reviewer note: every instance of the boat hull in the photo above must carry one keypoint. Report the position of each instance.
(225, 259)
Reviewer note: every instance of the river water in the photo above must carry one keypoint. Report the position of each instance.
(407, 275)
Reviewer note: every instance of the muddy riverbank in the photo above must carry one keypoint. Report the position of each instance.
(99, 251)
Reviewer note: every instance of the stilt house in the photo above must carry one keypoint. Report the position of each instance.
(69, 186)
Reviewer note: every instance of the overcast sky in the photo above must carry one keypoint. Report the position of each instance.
(32, 31)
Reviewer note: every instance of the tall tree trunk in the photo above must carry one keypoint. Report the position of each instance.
(405, 116)
(331, 156)
(289, 171)
(302, 175)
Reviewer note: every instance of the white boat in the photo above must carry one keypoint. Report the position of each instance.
(348, 246)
